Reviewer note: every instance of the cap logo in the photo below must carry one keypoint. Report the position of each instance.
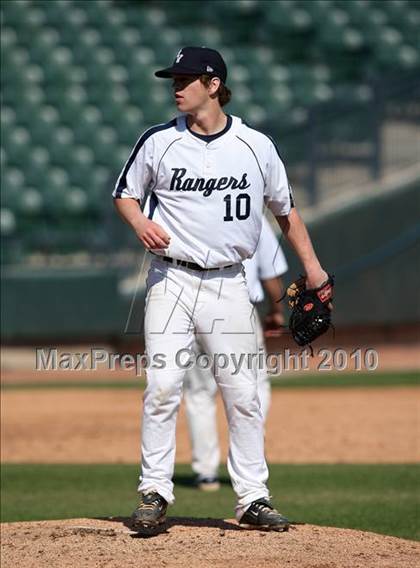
(209, 69)
(179, 56)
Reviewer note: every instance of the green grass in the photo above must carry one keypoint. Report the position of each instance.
(379, 498)
(356, 379)
(320, 379)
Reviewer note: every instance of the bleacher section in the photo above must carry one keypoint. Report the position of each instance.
(78, 87)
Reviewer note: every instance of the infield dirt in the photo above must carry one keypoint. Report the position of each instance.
(328, 425)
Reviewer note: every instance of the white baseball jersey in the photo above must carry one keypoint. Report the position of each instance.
(208, 196)
(268, 262)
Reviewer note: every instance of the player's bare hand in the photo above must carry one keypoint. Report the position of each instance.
(273, 324)
(152, 235)
(316, 280)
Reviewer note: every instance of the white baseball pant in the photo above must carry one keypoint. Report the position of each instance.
(200, 391)
(214, 305)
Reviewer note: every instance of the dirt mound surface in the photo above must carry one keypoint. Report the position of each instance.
(198, 543)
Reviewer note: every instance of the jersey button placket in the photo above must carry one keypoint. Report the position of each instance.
(210, 158)
(207, 163)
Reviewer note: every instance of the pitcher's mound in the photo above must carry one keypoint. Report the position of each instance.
(197, 543)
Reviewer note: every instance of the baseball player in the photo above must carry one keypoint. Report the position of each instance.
(262, 272)
(209, 176)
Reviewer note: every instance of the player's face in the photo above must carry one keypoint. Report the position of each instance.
(190, 93)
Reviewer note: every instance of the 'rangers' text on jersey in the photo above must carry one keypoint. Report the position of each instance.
(175, 173)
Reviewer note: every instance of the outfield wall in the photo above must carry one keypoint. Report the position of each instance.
(372, 246)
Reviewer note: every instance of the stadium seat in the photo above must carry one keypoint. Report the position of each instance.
(7, 120)
(101, 182)
(7, 222)
(37, 164)
(87, 124)
(43, 45)
(42, 122)
(13, 184)
(31, 203)
(18, 141)
(76, 201)
(104, 143)
(78, 85)
(60, 145)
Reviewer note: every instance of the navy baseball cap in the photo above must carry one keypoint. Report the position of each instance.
(196, 61)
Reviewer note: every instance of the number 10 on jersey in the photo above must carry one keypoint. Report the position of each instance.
(242, 206)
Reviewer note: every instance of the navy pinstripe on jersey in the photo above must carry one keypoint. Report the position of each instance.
(292, 201)
(122, 180)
